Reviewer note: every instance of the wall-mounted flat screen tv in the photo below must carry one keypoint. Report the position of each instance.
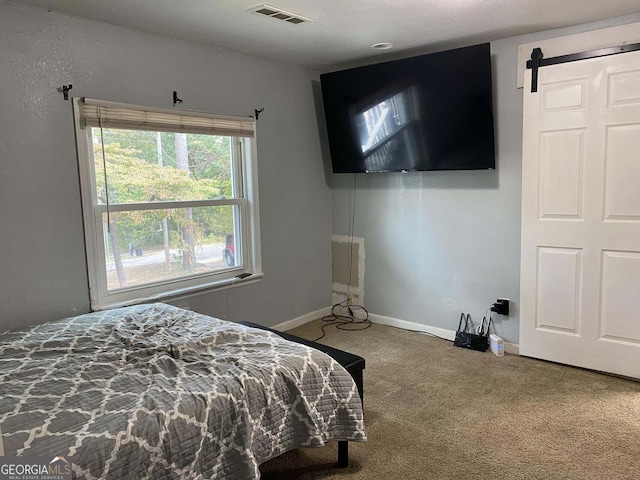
(430, 112)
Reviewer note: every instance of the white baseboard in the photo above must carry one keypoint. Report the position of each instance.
(512, 348)
(416, 327)
(301, 320)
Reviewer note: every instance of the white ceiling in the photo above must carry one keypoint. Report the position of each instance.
(342, 31)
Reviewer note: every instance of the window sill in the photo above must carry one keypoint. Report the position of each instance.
(181, 293)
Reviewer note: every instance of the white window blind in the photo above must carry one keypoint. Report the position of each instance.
(96, 113)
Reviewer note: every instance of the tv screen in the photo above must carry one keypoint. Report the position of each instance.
(431, 112)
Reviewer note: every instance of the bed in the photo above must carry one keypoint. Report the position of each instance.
(154, 391)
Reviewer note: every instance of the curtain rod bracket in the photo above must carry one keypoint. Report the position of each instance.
(258, 111)
(176, 99)
(65, 90)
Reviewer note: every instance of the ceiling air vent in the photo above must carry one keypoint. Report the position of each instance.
(279, 14)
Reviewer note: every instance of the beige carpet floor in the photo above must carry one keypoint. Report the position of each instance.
(434, 411)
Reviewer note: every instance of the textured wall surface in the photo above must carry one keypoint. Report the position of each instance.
(42, 266)
(442, 243)
(437, 243)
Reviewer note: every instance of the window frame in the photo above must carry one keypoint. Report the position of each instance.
(245, 201)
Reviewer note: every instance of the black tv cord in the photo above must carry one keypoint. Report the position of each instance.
(355, 318)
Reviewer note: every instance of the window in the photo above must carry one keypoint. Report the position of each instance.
(170, 200)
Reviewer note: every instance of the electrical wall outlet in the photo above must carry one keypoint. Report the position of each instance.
(350, 299)
(501, 307)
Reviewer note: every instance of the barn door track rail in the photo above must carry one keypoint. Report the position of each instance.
(538, 60)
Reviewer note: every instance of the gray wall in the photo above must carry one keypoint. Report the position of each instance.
(42, 262)
(436, 244)
(441, 243)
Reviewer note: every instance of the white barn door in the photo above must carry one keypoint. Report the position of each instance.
(580, 267)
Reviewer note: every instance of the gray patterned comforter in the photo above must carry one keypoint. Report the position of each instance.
(154, 391)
